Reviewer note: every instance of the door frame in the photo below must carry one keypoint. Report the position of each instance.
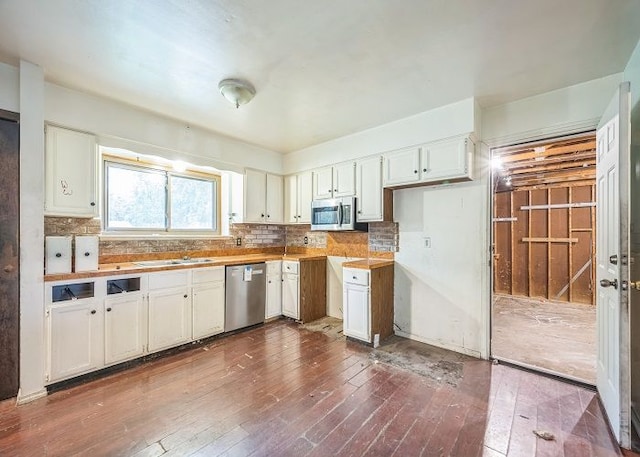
(491, 145)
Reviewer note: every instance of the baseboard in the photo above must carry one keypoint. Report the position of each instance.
(440, 344)
(22, 399)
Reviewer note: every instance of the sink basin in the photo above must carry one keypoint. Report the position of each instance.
(162, 263)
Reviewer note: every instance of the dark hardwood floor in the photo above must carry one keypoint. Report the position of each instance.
(279, 390)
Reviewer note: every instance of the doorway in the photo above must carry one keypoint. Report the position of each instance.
(9, 251)
(543, 302)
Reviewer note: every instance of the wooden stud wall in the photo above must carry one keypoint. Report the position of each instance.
(545, 252)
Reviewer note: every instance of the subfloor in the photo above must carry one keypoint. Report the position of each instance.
(557, 337)
(283, 390)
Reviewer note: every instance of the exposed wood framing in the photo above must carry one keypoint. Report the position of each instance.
(544, 219)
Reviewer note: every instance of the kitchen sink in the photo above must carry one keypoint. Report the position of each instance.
(162, 263)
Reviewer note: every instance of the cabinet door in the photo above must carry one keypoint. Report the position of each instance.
(255, 184)
(169, 318)
(369, 196)
(76, 339)
(305, 196)
(70, 165)
(275, 199)
(402, 167)
(344, 180)
(323, 183)
(208, 309)
(124, 329)
(356, 312)
(290, 295)
(444, 160)
(274, 296)
(291, 199)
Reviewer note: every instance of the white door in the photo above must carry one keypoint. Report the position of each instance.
(323, 183)
(169, 318)
(274, 296)
(402, 167)
(356, 312)
(124, 335)
(275, 199)
(255, 185)
(290, 297)
(612, 252)
(344, 180)
(291, 199)
(208, 309)
(369, 179)
(304, 197)
(444, 160)
(75, 338)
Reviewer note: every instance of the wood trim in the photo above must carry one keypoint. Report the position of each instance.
(550, 240)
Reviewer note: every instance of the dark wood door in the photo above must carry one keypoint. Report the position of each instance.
(9, 263)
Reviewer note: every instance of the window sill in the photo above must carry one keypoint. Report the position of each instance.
(161, 236)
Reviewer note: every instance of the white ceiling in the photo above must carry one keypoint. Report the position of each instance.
(322, 69)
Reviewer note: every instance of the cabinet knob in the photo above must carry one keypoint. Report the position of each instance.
(335, 190)
(93, 203)
(355, 277)
(359, 212)
(415, 171)
(262, 215)
(108, 310)
(93, 311)
(268, 216)
(269, 281)
(424, 170)
(185, 295)
(329, 191)
(58, 254)
(87, 254)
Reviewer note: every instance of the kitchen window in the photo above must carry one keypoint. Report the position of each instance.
(150, 198)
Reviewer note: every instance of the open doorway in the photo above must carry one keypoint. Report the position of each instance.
(544, 219)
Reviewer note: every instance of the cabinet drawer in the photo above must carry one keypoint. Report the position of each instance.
(289, 266)
(201, 275)
(274, 267)
(356, 276)
(166, 280)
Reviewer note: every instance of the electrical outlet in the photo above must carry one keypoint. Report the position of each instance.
(427, 242)
(306, 240)
(238, 241)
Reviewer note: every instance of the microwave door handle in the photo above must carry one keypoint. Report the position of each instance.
(340, 214)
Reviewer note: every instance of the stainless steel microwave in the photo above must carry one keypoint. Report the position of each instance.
(335, 214)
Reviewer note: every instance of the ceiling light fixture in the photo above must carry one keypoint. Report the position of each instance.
(236, 91)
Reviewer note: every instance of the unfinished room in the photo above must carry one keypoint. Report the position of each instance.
(285, 228)
(544, 219)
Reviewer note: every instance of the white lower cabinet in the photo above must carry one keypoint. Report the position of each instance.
(273, 306)
(169, 318)
(208, 309)
(290, 295)
(75, 338)
(125, 333)
(356, 312)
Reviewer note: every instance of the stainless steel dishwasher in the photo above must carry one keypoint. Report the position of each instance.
(245, 296)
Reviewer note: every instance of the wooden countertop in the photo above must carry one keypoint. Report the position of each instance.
(368, 264)
(127, 268)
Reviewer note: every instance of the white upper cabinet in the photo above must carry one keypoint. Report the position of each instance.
(323, 183)
(369, 190)
(402, 167)
(336, 181)
(70, 164)
(298, 196)
(263, 197)
(446, 160)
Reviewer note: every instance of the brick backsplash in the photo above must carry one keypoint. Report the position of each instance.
(382, 238)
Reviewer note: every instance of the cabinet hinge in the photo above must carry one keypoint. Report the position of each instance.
(46, 377)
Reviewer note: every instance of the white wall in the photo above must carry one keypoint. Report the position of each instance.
(124, 126)
(568, 110)
(31, 232)
(450, 120)
(9, 88)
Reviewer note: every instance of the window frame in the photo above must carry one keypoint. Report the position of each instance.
(168, 171)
